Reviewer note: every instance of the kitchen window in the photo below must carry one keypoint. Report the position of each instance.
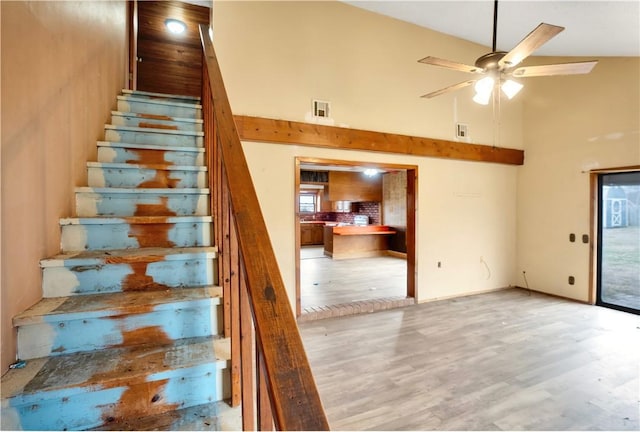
(308, 202)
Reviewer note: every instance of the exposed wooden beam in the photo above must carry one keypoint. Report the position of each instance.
(290, 132)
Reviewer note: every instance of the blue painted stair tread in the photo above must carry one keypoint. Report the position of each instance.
(134, 103)
(85, 390)
(141, 201)
(92, 272)
(124, 175)
(161, 96)
(155, 121)
(130, 323)
(139, 135)
(118, 152)
(104, 233)
(56, 326)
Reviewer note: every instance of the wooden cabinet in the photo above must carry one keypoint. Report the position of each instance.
(311, 234)
(325, 203)
(354, 186)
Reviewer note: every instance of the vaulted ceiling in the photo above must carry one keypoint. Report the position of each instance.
(593, 28)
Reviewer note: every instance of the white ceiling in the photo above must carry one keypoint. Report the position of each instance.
(592, 28)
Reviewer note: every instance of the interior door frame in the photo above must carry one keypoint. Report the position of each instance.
(595, 252)
(412, 207)
(132, 15)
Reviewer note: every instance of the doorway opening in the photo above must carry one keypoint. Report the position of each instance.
(618, 259)
(355, 237)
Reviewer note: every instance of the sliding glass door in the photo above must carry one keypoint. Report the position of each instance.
(619, 241)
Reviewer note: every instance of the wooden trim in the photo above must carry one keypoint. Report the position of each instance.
(247, 353)
(544, 293)
(298, 239)
(265, 417)
(614, 170)
(412, 194)
(397, 254)
(412, 199)
(295, 401)
(132, 15)
(289, 132)
(593, 221)
(238, 357)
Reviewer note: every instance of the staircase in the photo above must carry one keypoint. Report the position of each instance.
(129, 326)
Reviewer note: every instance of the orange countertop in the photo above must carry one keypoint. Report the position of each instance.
(362, 230)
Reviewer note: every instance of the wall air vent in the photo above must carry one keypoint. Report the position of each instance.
(462, 131)
(320, 108)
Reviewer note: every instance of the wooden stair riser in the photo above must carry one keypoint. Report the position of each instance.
(119, 234)
(139, 176)
(150, 136)
(95, 405)
(122, 277)
(146, 202)
(156, 107)
(155, 121)
(140, 154)
(57, 335)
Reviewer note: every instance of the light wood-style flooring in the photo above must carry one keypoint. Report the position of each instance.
(325, 281)
(508, 360)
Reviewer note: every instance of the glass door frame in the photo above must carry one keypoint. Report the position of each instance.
(597, 229)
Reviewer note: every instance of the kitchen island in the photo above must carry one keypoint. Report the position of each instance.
(351, 241)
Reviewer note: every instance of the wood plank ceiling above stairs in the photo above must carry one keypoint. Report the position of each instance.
(130, 322)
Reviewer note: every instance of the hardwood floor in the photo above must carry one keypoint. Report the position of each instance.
(507, 360)
(325, 281)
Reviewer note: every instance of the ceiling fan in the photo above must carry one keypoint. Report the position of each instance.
(499, 67)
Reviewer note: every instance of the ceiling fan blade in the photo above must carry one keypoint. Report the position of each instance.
(450, 64)
(534, 40)
(555, 69)
(448, 89)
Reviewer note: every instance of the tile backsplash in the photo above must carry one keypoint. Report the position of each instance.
(371, 209)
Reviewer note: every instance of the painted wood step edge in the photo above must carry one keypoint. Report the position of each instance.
(156, 117)
(142, 191)
(133, 98)
(149, 146)
(159, 95)
(112, 367)
(215, 416)
(117, 304)
(125, 256)
(153, 130)
(139, 220)
(159, 167)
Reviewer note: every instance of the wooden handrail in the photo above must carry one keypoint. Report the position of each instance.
(281, 366)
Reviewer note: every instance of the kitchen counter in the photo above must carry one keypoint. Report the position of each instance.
(342, 242)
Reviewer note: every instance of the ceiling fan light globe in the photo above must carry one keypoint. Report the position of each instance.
(482, 98)
(511, 88)
(485, 85)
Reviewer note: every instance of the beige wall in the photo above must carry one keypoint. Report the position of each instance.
(63, 63)
(571, 125)
(277, 57)
(467, 222)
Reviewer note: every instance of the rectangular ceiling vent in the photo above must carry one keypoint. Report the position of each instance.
(320, 108)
